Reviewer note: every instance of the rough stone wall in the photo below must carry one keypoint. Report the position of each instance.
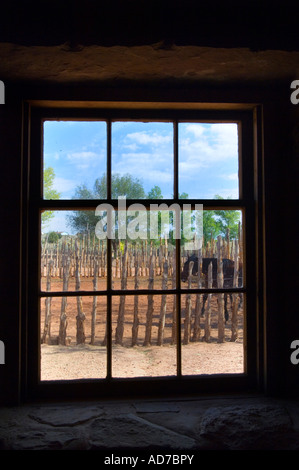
(187, 426)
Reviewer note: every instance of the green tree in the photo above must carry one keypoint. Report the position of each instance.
(155, 193)
(49, 193)
(217, 222)
(53, 237)
(121, 185)
(210, 227)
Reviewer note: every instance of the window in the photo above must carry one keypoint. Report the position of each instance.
(141, 226)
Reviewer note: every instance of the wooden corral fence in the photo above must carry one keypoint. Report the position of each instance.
(77, 258)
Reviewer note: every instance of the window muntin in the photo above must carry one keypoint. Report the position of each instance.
(178, 293)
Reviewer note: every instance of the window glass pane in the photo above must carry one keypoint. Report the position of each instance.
(144, 336)
(74, 160)
(212, 343)
(141, 265)
(142, 160)
(222, 241)
(143, 245)
(72, 257)
(208, 160)
(73, 338)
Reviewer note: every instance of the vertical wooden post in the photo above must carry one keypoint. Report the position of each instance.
(63, 316)
(55, 273)
(220, 296)
(94, 302)
(187, 321)
(80, 318)
(207, 336)
(163, 300)
(174, 309)
(234, 335)
(121, 311)
(227, 243)
(196, 329)
(136, 298)
(46, 337)
(150, 301)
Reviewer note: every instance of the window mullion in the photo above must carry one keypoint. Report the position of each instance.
(109, 189)
(109, 262)
(176, 161)
(178, 247)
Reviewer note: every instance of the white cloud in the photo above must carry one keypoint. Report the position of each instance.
(133, 147)
(202, 146)
(156, 167)
(144, 138)
(196, 129)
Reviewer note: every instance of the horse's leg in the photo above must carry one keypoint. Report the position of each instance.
(226, 316)
(204, 299)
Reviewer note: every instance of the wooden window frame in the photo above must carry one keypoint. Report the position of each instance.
(249, 202)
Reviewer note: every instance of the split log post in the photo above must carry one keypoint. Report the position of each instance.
(150, 301)
(80, 318)
(240, 237)
(164, 298)
(46, 338)
(121, 310)
(95, 299)
(174, 309)
(227, 248)
(220, 296)
(56, 259)
(65, 277)
(196, 329)
(187, 321)
(135, 325)
(234, 335)
(207, 336)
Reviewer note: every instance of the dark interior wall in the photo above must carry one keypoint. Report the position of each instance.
(288, 160)
(256, 24)
(10, 256)
(281, 326)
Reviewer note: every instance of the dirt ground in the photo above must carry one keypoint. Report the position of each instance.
(76, 361)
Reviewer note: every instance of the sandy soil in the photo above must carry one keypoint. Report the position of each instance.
(89, 361)
(86, 361)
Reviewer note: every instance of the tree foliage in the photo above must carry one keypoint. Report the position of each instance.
(121, 186)
(53, 237)
(155, 193)
(217, 222)
(49, 193)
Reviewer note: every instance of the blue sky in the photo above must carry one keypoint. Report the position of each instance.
(208, 157)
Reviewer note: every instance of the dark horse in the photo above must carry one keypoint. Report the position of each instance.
(228, 276)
